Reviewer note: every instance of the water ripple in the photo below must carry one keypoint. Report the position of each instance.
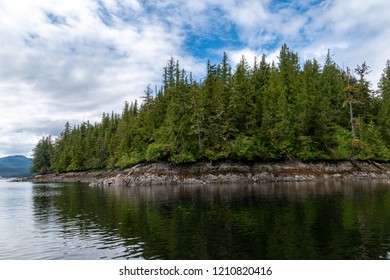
(57, 221)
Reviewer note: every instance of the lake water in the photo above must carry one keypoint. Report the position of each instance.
(331, 220)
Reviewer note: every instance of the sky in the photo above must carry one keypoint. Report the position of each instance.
(70, 61)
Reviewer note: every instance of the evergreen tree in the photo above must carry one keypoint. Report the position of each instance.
(364, 94)
(332, 88)
(277, 123)
(384, 111)
(42, 154)
(213, 115)
(259, 80)
(266, 112)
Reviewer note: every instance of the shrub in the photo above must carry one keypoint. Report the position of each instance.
(246, 148)
(183, 157)
(157, 151)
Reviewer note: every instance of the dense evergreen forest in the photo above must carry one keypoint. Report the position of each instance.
(283, 110)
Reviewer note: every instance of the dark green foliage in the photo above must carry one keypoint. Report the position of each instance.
(343, 149)
(42, 156)
(268, 112)
(156, 152)
(316, 128)
(384, 107)
(247, 148)
(182, 157)
(373, 145)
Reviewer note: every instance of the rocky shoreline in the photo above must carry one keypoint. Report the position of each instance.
(205, 173)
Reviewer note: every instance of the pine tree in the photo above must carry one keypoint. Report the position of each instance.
(332, 89)
(364, 93)
(259, 80)
(213, 115)
(42, 154)
(351, 92)
(266, 112)
(384, 111)
(276, 122)
(314, 116)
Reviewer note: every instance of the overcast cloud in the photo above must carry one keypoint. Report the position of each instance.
(73, 60)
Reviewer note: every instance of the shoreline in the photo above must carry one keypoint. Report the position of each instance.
(225, 172)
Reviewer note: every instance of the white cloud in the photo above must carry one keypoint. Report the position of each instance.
(236, 56)
(61, 62)
(354, 31)
(19, 143)
(68, 60)
(248, 14)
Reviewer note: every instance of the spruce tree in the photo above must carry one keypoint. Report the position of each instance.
(384, 111)
(266, 112)
(42, 154)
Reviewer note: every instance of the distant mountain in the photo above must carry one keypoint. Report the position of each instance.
(15, 166)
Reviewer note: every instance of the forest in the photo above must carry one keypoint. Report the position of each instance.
(282, 110)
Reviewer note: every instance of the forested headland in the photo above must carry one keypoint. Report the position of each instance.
(267, 111)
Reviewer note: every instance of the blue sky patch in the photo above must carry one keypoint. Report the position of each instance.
(56, 19)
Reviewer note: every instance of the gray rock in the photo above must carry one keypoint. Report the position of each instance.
(206, 173)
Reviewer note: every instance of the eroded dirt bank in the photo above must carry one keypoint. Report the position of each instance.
(204, 173)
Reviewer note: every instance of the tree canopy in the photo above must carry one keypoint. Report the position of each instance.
(267, 111)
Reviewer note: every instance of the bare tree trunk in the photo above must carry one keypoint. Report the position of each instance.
(198, 121)
(352, 121)
(350, 97)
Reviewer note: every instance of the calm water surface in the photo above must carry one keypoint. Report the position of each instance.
(330, 220)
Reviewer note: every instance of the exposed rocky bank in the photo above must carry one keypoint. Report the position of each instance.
(204, 173)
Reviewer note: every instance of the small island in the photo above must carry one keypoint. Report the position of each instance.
(286, 120)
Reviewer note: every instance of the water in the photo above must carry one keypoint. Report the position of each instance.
(330, 220)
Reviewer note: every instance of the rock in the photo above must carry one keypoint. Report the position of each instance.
(205, 173)
(263, 176)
